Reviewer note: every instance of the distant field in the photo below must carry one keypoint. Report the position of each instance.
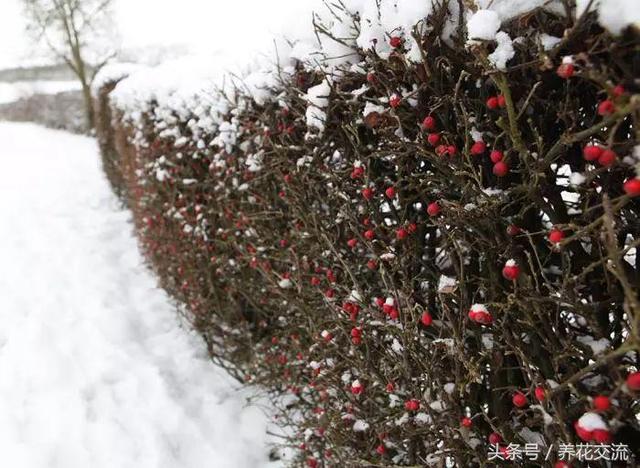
(11, 92)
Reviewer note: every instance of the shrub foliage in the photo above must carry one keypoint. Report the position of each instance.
(458, 260)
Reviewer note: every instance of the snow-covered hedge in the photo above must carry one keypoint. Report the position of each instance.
(421, 228)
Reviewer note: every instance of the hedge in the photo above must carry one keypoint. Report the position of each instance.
(418, 259)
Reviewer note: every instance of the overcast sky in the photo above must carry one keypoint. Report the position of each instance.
(205, 25)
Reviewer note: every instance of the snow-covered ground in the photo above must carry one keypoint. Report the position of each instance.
(95, 370)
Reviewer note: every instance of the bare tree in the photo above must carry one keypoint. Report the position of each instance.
(78, 32)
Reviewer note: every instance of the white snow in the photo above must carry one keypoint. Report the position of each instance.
(95, 369)
(483, 24)
(504, 51)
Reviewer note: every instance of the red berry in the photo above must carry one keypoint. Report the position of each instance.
(502, 101)
(380, 449)
(606, 107)
(500, 169)
(466, 422)
(394, 101)
(441, 150)
(390, 192)
(401, 233)
(495, 438)
(513, 230)
(357, 172)
(429, 123)
(479, 314)
(370, 234)
(390, 387)
(288, 178)
(452, 150)
(492, 102)
(426, 319)
(561, 464)
(601, 403)
(412, 227)
(591, 152)
(602, 436)
(632, 187)
(618, 91)
(433, 138)
(371, 78)
(412, 405)
(556, 236)
(367, 193)
(607, 158)
(312, 463)
(478, 148)
(356, 387)
(565, 70)
(395, 41)
(540, 393)
(633, 381)
(519, 400)
(315, 281)
(511, 270)
(352, 242)
(372, 265)
(433, 209)
(496, 156)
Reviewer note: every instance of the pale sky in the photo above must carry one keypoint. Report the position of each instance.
(205, 25)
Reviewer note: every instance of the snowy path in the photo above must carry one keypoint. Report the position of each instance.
(94, 368)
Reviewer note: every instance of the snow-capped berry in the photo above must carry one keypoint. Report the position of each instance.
(356, 387)
(492, 102)
(478, 148)
(429, 123)
(367, 193)
(618, 91)
(466, 422)
(565, 70)
(540, 393)
(426, 319)
(587, 426)
(412, 405)
(401, 233)
(433, 209)
(394, 100)
(395, 41)
(352, 242)
(606, 107)
(632, 187)
(496, 156)
(478, 313)
(433, 138)
(607, 158)
(326, 335)
(495, 438)
(591, 152)
(601, 403)
(380, 449)
(519, 400)
(511, 270)
(369, 234)
(633, 381)
(390, 192)
(556, 236)
(500, 169)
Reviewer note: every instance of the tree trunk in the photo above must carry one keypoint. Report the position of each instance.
(88, 104)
